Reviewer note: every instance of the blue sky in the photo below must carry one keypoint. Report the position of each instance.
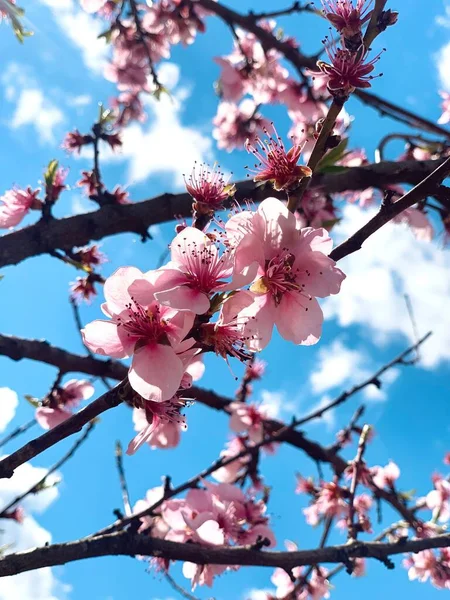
(52, 84)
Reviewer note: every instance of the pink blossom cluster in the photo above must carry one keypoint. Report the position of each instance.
(62, 400)
(214, 515)
(140, 41)
(163, 319)
(16, 203)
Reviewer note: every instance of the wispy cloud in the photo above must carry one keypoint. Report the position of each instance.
(40, 584)
(164, 145)
(82, 30)
(391, 264)
(31, 106)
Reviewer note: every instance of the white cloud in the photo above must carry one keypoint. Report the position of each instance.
(338, 365)
(329, 418)
(79, 101)
(165, 145)
(32, 107)
(82, 30)
(33, 585)
(393, 263)
(276, 405)
(8, 405)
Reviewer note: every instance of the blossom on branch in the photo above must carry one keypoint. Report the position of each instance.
(346, 70)
(59, 404)
(141, 327)
(347, 18)
(294, 269)
(277, 165)
(16, 203)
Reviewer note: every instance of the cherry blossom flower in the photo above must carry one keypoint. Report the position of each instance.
(249, 418)
(159, 424)
(427, 565)
(447, 459)
(197, 270)
(141, 327)
(276, 164)
(83, 288)
(89, 181)
(385, 476)
(208, 188)
(226, 337)
(90, 256)
(231, 472)
(235, 124)
(347, 70)
(58, 406)
(74, 141)
(439, 499)
(57, 184)
(330, 502)
(294, 269)
(15, 204)
(347, 18)
(120, 195)
(251, 69)
(256, 369)
(316, 588)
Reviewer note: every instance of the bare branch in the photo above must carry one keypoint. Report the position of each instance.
(127, 544)
(390, 210)
(110, 399)
(79, 230)
(35, 488)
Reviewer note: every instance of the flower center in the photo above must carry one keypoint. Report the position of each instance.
(144, 324)
(280, 277)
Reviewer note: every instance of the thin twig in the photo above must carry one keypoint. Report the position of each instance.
(109, 399)
(35, 488)
(17, 431)
(79, 326)
(122, 479)
(357, 463)
(390, 210)
(178, 588)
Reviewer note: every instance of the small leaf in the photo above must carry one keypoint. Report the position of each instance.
(49, 175)
(32, 400)
(160, 90)
(332, 157)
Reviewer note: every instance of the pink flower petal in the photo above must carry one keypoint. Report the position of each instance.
(103, 338)
(156, 372)
(299, 319)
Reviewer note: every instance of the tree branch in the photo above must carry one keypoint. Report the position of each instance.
(18, 349)
(38, 486)
(65, 234)
(390, 210)
(108, 400)
(127, 544)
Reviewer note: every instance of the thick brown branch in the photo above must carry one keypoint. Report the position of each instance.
(18, 348)
(126, 544)
(64, 234)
